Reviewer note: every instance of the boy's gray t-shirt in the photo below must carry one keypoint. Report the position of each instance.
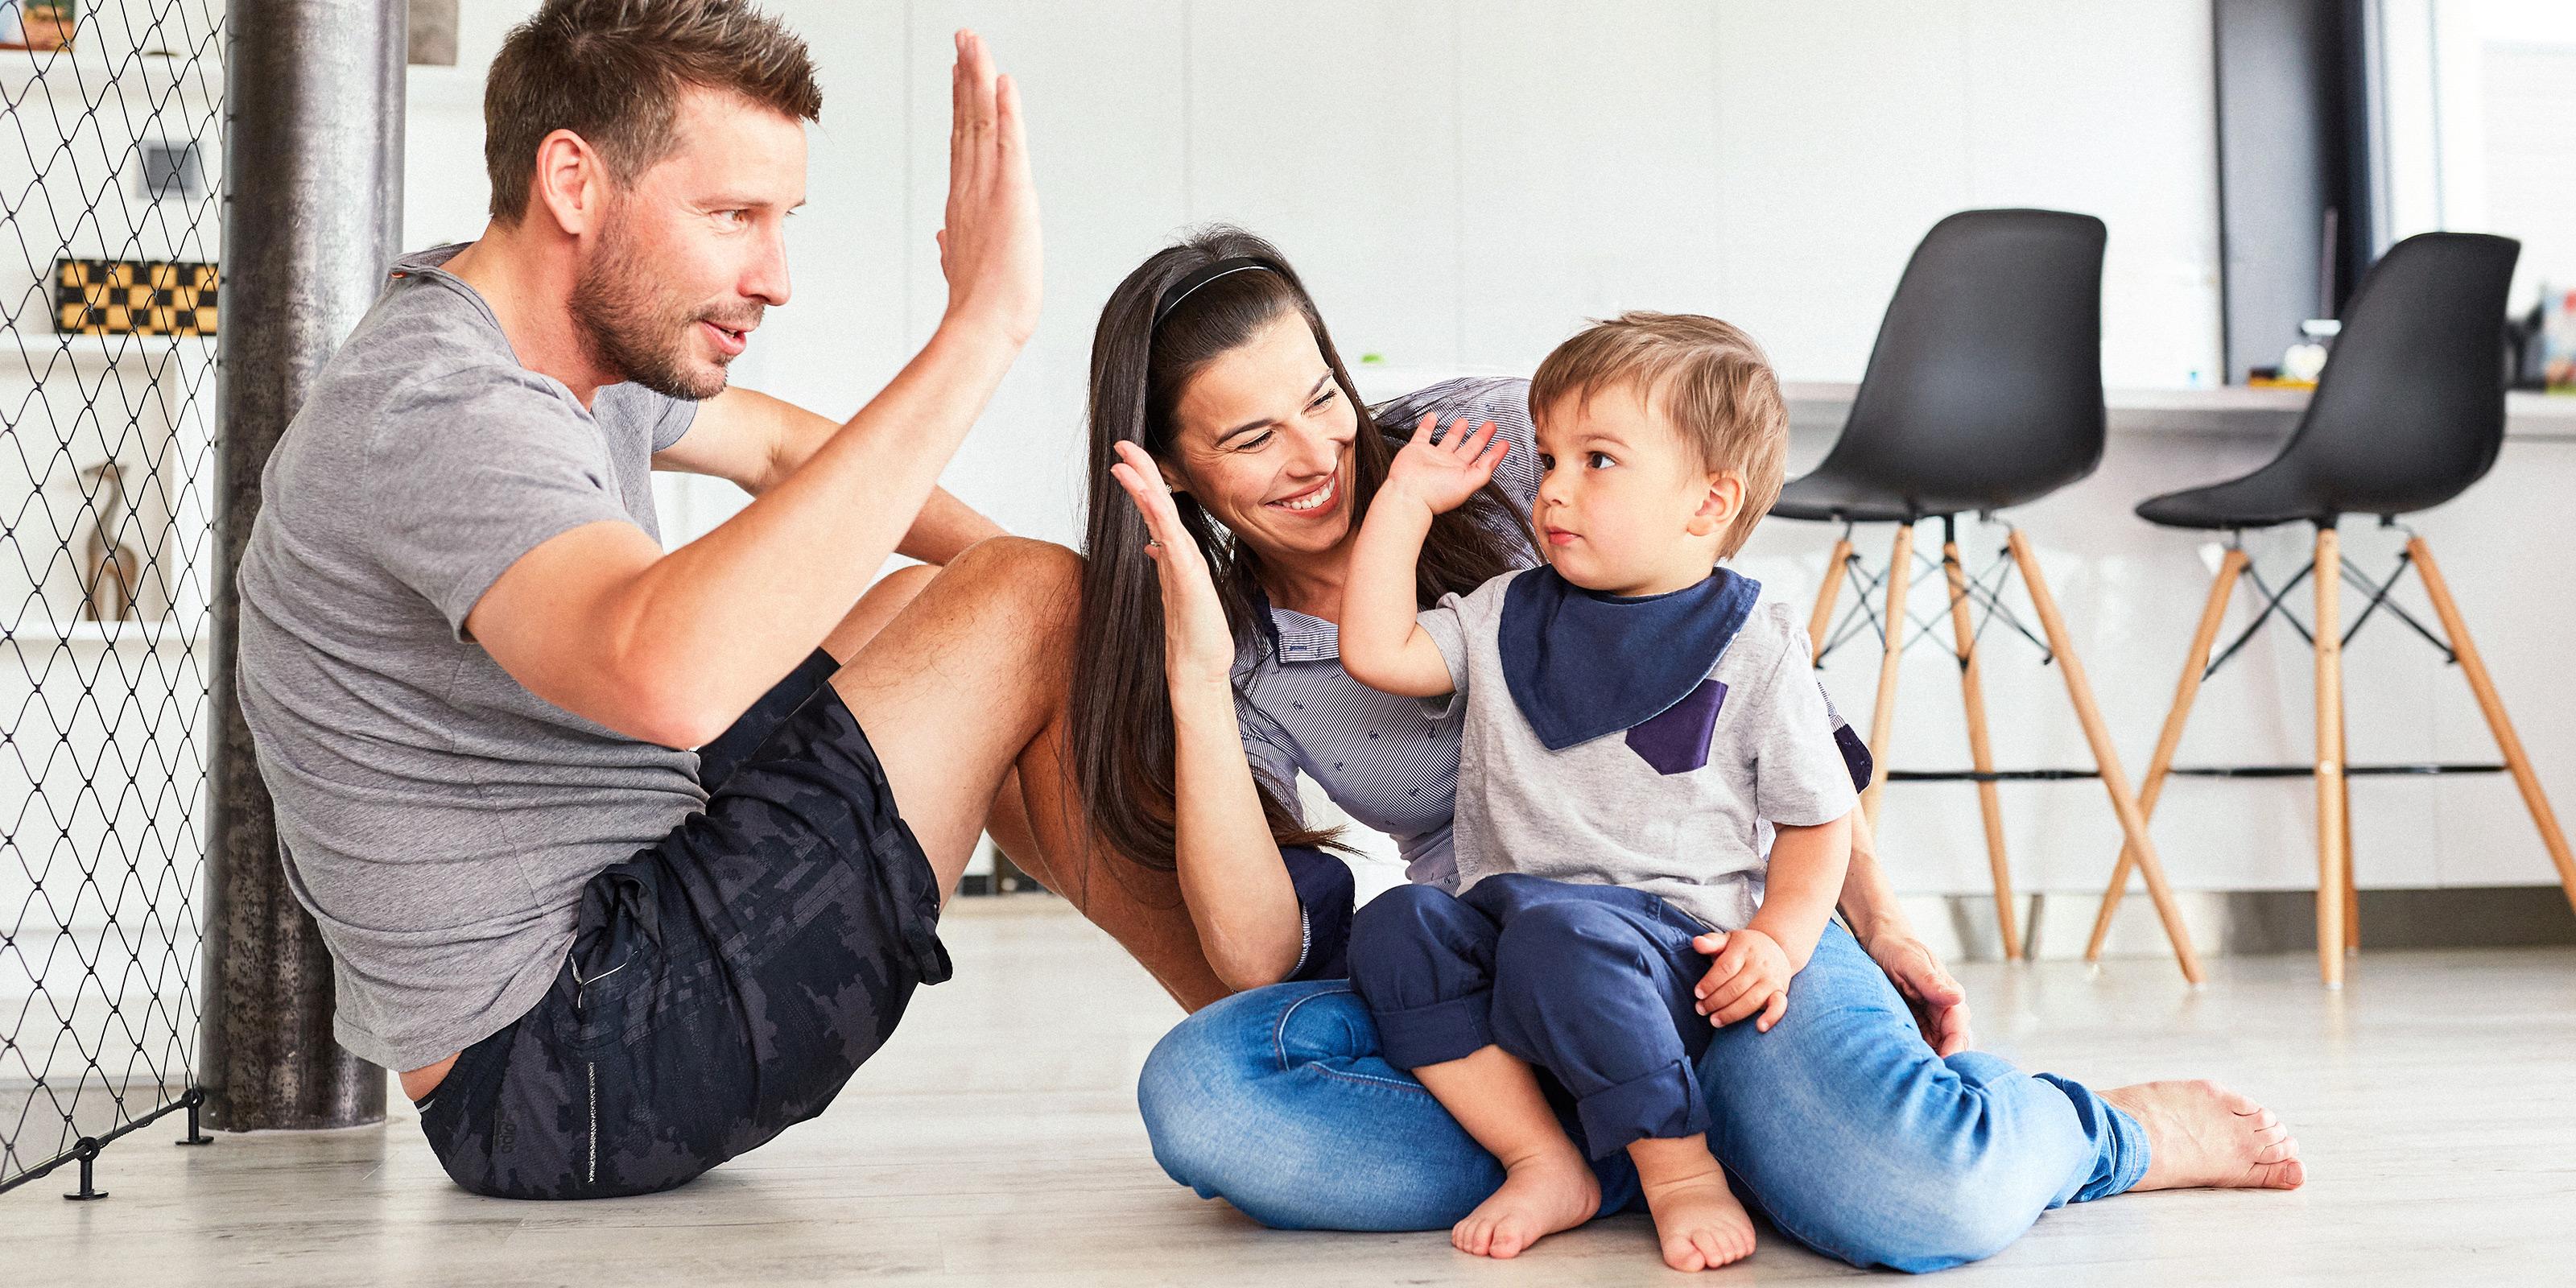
(1596, 813)
(439, 819)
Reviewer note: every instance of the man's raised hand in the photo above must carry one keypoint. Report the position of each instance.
(988, 246)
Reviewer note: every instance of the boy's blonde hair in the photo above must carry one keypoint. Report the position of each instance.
(1706, 376)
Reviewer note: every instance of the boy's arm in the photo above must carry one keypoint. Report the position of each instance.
(1382, 646)
(1750, 969)
(1806, 873)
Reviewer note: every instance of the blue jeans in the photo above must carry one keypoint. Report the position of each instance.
(1839, 1124)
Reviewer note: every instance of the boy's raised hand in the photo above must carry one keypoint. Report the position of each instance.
(1444, 474)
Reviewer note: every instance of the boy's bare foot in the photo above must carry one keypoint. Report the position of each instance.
(1697, 1218)
(2202, 1136)
(1547, 1190)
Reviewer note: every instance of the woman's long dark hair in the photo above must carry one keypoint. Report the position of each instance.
(1121, 708)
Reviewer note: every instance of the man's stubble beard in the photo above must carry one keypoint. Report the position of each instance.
(636, 331)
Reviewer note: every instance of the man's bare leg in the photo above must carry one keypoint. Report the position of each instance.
(879, 606)
(2203, 1136)
(966, 686)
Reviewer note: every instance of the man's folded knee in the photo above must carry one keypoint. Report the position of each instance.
(1021, 559)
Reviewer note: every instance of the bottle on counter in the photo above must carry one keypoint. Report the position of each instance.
(2558, 344)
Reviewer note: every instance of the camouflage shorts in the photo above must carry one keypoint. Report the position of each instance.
(724, 983)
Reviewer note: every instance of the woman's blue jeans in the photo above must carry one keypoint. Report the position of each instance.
(1839, 1124)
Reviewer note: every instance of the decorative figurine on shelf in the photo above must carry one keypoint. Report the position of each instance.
(37, 24)
(107, 586)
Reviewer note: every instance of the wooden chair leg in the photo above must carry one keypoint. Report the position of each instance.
(2106, 757)
(1827, 597)
(2351, 879)
(2330, 839)
(1882, 718)
(1972, 693)
(2159, 767)
(2483, 686)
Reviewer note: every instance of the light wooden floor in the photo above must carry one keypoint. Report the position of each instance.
(996, 1142)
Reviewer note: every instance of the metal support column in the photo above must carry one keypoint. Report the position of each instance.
(312, 215)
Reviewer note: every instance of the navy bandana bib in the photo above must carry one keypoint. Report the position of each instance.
(1581, 664)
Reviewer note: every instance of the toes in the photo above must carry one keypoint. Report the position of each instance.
(1507, 1244)
(2288, 1174)
(1680, 1255)
(1715, 1249)
(1472, 1236)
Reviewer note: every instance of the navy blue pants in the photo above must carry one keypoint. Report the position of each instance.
(1590, 983)
(723, 983)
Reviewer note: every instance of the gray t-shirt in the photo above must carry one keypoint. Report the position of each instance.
(439, 819)
(1598, 813)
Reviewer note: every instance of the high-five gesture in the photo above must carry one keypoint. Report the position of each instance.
(989, 248)
(1444, 474)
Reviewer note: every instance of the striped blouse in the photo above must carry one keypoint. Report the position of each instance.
(1377, 756)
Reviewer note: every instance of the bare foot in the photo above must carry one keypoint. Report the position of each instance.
(2202, 1136)
(1548, 1190)
(1697, 1219)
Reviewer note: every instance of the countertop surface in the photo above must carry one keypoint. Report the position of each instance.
(2227, 410)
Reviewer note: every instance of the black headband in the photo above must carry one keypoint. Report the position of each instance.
(1181, 289)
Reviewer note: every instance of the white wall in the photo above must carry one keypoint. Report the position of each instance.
(1463, 182)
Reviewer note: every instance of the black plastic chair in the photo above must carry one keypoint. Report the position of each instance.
(1984, 391)
(2409, 412)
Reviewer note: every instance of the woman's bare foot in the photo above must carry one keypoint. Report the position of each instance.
(1544, 1191)
(2202, 1136)
(1697, 1219)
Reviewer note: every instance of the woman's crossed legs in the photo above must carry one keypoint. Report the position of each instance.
(1838, 1124)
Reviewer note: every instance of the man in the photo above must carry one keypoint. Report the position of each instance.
(604, 963)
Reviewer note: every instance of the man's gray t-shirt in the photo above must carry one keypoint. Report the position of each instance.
(439, 819)
(1598, 813)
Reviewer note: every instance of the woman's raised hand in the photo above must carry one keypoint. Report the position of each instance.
(1198, 647)
(1443, 475)
(988, 244)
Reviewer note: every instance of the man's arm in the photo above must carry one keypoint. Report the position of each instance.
(756, 442)
(671, 648)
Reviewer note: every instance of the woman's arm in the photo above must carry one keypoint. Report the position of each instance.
(1880, 924)
(1230, 871)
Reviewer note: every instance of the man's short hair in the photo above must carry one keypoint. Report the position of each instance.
(613, 72)
(1705, 376)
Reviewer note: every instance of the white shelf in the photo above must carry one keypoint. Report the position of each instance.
(158, 632)
(105, 346)
(86, 70)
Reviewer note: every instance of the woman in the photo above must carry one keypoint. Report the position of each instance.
(1205, 679)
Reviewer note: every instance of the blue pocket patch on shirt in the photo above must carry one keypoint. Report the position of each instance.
(1676, 742)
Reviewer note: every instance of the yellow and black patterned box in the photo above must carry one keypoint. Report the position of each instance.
(133, 297)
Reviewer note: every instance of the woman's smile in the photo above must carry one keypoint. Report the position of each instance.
(1316, 501)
